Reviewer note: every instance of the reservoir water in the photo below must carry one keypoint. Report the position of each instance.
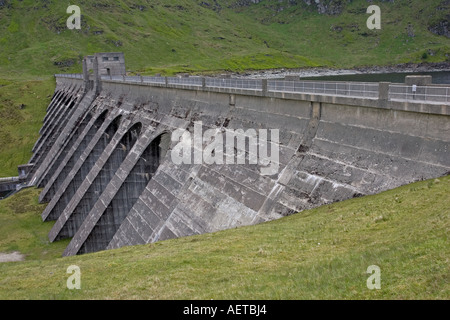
(439, 77)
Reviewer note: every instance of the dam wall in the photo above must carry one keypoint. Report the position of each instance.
(105, 160)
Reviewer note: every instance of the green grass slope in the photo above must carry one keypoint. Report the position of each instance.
(22, 230)
(317, 254)
(23, 104)
(198, 36)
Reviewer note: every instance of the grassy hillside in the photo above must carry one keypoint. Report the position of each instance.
(22, 230)
(187, 35)
(317, 254)
(22, 107)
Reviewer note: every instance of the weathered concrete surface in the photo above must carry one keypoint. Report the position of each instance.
(331, 149)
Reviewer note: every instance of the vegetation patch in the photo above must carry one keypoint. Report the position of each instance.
(322, 253)
(233, 35)
(23, 104)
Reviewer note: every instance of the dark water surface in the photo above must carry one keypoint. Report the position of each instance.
(439, 77)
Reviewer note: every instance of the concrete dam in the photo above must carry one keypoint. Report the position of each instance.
(105, 156)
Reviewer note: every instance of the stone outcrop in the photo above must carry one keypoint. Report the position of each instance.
(441, 28)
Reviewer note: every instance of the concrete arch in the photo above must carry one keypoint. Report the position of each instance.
(52, 109)
(127, 195)
(48, 119)
(59, 141)
(56, 110)
(60, 174)
(71, 144)
(58, 121)
(63, 102)
(48, 123)
(55, 99)
(70, 137)
(69, 223)
(68, 185)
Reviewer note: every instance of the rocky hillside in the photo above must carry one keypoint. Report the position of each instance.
(329, 7)
(169, 36)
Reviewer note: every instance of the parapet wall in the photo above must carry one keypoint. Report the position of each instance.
(106, 169)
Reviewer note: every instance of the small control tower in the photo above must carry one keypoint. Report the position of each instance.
(102, 64)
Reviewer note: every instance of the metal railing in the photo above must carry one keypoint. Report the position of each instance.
(419, 93)
(70, 75)
(244, 84)
(351, 89)
(132, 79)
(146, 79)
(121, 78)
(189, 81)
(370, 90)
(116, 78)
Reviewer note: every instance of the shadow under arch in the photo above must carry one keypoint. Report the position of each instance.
(83, 171)
(79, 149)
(103, 178)
(55, 104)
(50, 134)
(128, 194)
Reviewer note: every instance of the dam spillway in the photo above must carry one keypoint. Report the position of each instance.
(104, 159)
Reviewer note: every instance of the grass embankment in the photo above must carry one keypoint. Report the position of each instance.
(23, 103)
(22, 229)
(317, 254)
